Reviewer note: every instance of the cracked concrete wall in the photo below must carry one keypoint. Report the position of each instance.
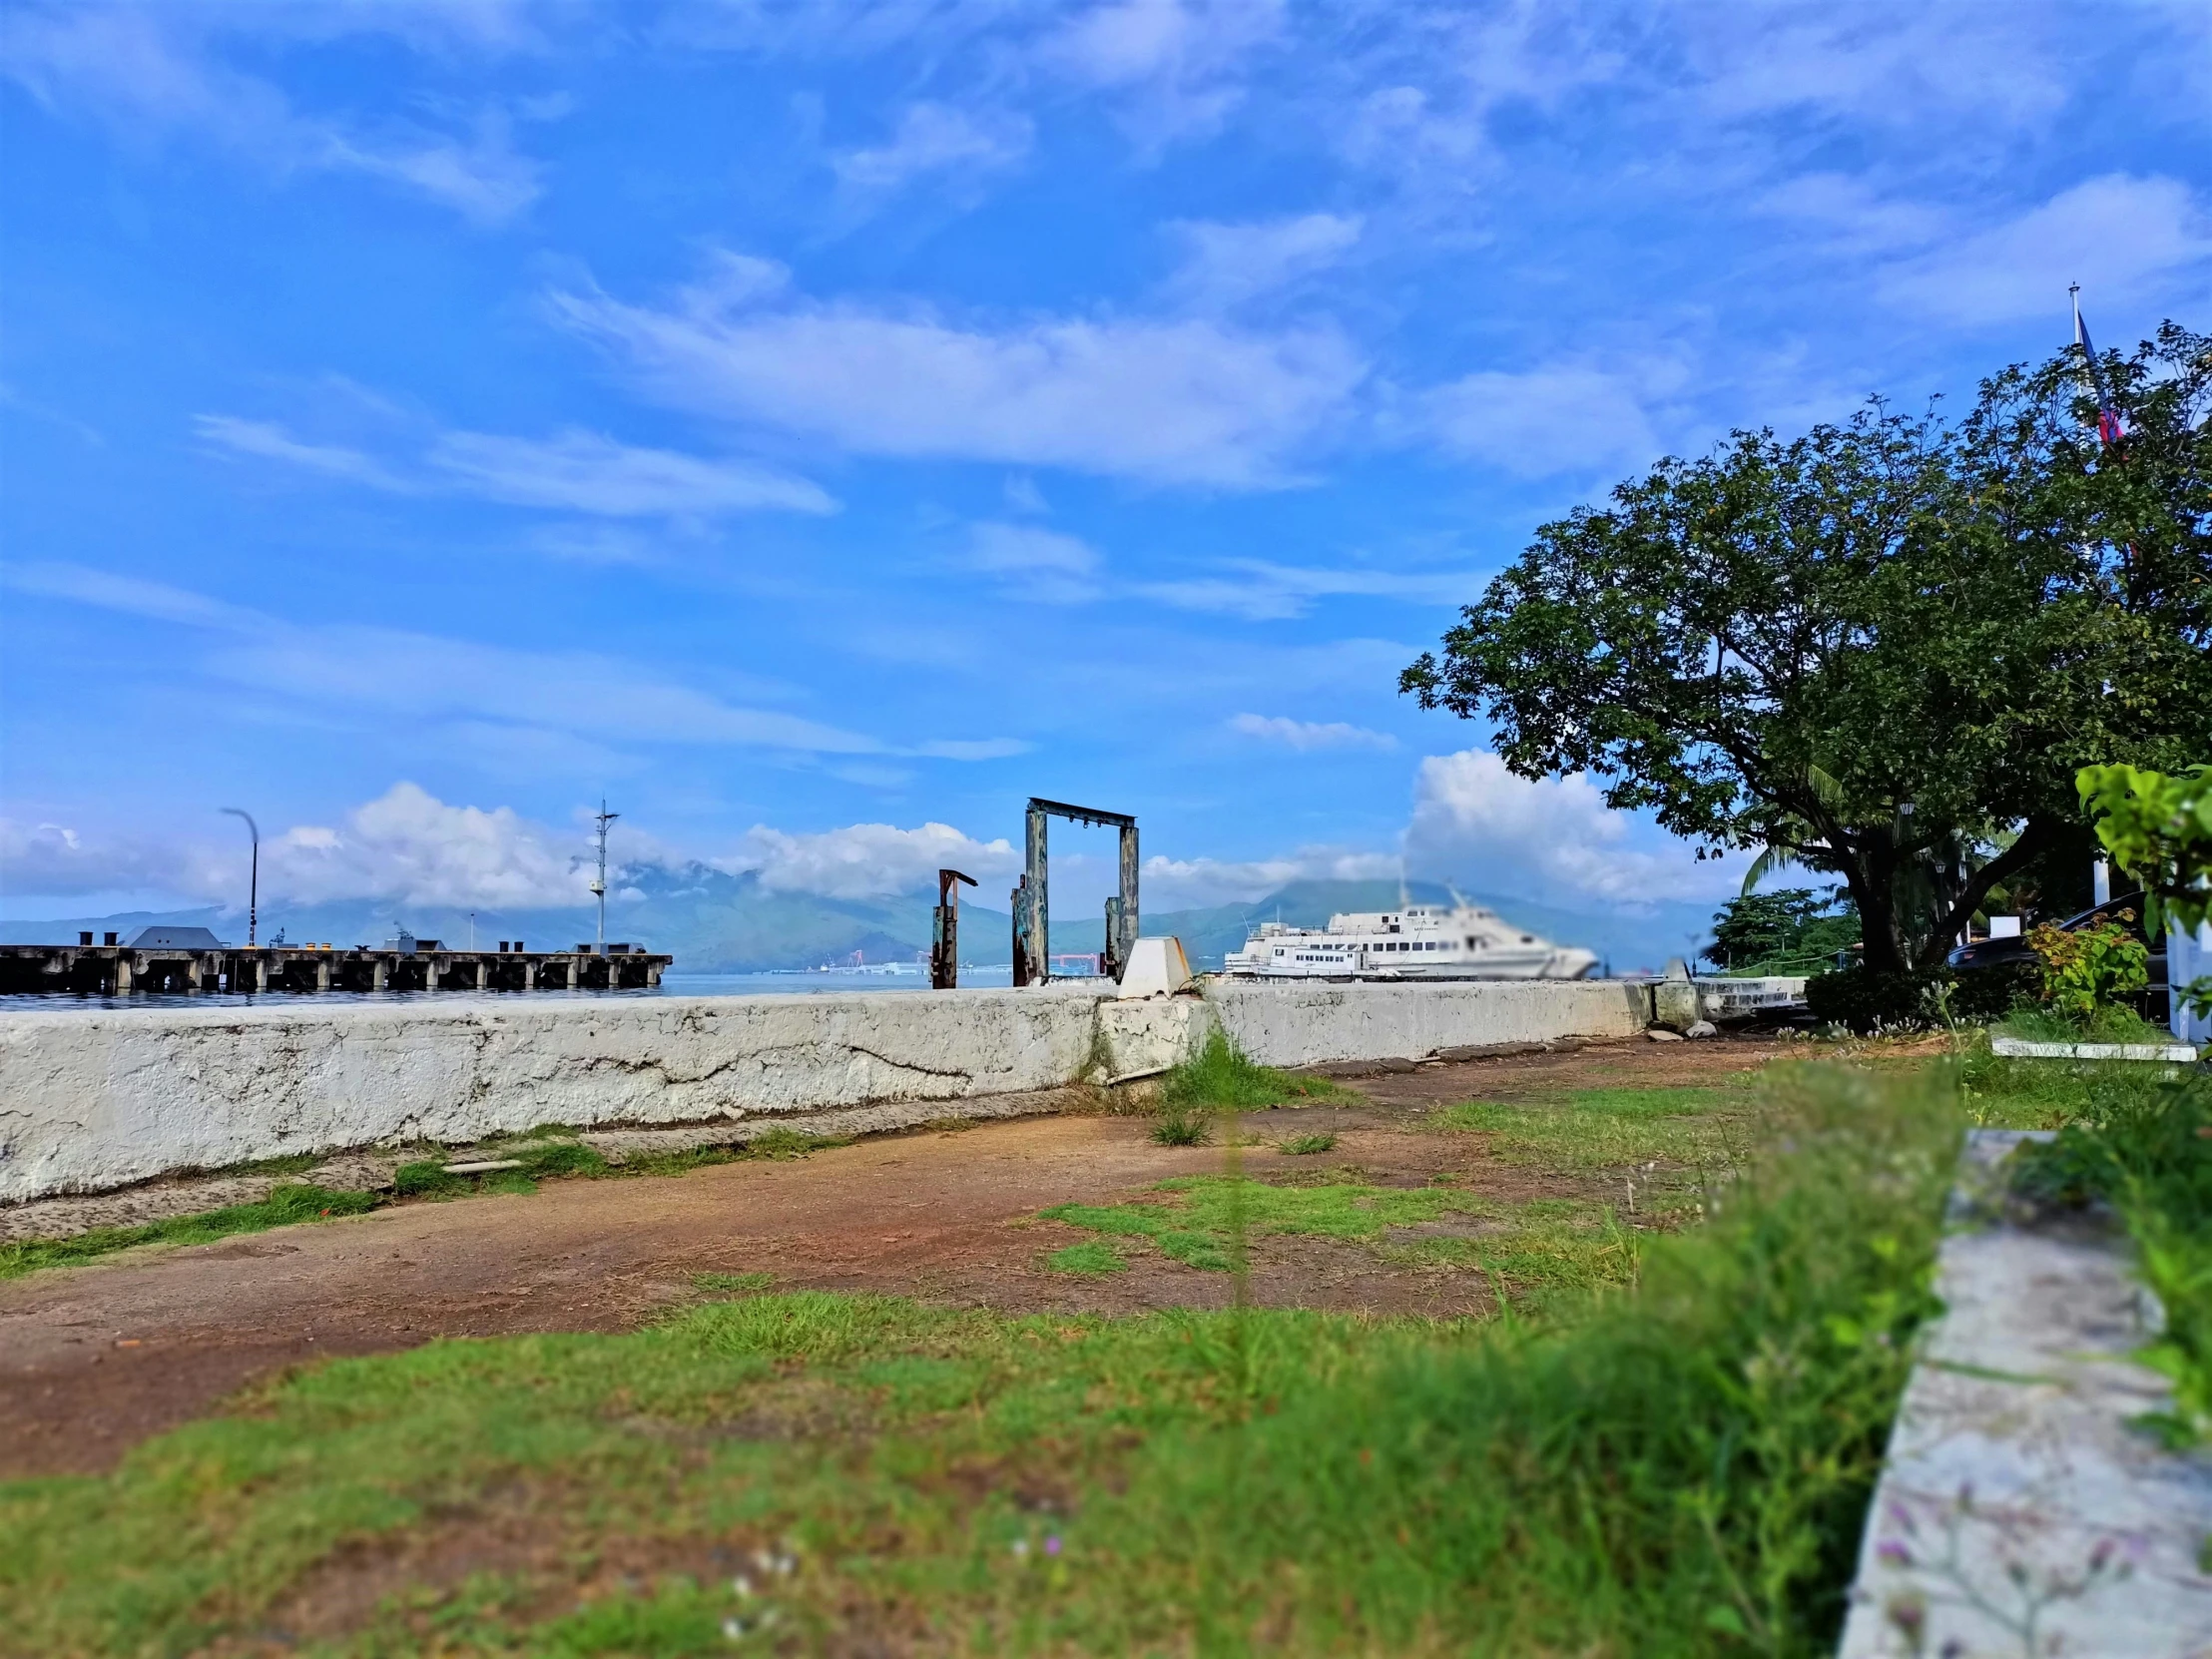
(1305, 1025)
(96, 1099)
(92, 1099)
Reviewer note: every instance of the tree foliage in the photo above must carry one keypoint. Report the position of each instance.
(1786, 931)
(1881, 650)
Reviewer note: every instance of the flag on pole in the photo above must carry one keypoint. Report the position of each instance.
(2108, 417)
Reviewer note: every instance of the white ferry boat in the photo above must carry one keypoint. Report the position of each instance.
(1416, 941)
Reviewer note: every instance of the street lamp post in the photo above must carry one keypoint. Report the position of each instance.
(254, 889)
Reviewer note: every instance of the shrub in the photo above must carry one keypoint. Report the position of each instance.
(2090, 968)
(1988, 995)
(1866, 1001)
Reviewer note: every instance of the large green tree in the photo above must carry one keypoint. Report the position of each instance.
(1882, 648)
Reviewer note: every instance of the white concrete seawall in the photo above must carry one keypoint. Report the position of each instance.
(92, 1099)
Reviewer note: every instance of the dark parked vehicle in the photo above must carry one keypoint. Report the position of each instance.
(1996, 953)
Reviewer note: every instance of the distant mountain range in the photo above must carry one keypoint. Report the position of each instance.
(714, 922)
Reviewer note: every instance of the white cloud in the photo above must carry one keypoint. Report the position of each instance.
(1035, 563)
(405, 845)
(409, 847)
(1305, 734)
(936, 138)
(867, 860)
(1227, 265)
(1260, 591)
(1553, 840)
(2123, 238)
(154, 71)
(573, 470)
(584, 472)
(1177, 401)
(1180, 883)
(1558, 417)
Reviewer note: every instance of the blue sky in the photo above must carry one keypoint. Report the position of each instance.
(809, 424)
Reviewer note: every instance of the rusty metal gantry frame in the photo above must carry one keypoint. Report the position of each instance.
(945, 932)
(1032, 940)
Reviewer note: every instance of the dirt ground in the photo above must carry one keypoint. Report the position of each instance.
(94, 1359)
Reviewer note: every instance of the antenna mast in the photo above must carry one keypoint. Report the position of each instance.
(599, 882)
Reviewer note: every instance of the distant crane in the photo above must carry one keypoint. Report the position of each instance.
(599, 882)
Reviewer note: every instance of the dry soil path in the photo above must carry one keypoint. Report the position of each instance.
(94, 1359)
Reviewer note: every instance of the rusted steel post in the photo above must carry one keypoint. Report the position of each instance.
(1126, 913)
(1037, 968)
(1110, 959)
(945, 931)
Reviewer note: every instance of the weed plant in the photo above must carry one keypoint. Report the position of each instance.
(1181, 1126)
(1305, 1146)
(1676, 1469)
(1219, 1077)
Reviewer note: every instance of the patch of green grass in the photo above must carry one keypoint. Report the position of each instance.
(1538, 1252)
(1601, 1129)
(1202, 1213)
(1999, 1092)
(283, 1206)
(2111, 1025)
(1093, 1260)
(1219, 1077)
(1676, 1471)
(1305, 1146)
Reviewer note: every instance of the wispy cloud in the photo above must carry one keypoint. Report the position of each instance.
(1226, 265)
(1176, 67)
(585, 472)
(359, 672)
(572, 471)
(269, 441)
(1031, 562)
(1175, 401)
(158, 71)
(1260, 591)
(2120, 237)
(1308, 735)
(937, 139)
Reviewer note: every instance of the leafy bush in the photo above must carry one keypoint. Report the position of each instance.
(1989, 994)
(1863, 1000)
(2089, 968)
(2159, 830)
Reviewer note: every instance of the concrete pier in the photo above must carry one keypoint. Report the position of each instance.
(120, 970)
